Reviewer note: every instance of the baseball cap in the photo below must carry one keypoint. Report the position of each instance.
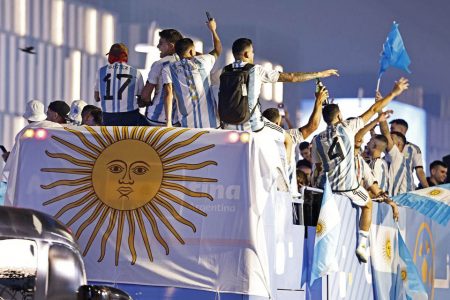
(34, 111)
(61, 108)
(75, 110)
(117, 49)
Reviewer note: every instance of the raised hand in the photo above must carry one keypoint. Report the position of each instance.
(383, 116)
(322, 95)
(212, 25)
(400, 86)
(328, 73)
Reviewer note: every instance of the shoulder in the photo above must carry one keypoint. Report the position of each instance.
(414, 147)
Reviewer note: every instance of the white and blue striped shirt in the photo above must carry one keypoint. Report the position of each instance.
(191, 83)
(334, 149)
(397, 172)
(380, 170)
(413, 157)
(118, 85)
(156, 112)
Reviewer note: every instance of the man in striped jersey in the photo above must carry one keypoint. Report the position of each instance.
(333, 151)
(377, 145)
(413, 157)
(243, 54)
(189, 82)
(155, 107)
(117, 88)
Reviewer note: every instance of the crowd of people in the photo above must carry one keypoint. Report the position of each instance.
(178, 92)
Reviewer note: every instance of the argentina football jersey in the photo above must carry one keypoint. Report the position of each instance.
(381, 172)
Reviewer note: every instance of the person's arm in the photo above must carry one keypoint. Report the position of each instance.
(216, 40)
(305, 76)
(314, 119)
(384, 128)
(381, 196)
(400, 86)
(422, 177)
(288, 145)
(168, 98)
(287, 120)
(97, 96)
(146, 94)
(382, 117)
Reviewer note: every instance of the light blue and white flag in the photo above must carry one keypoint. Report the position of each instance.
(327, 236)
(413, 287)
(433, 202)
(394, 52)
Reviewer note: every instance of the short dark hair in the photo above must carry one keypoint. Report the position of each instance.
(170, 35)
(329, 112)
(304, 163)
(438, 163)
(400, 122)
(88, 108)
(181, 46)
(240, 45)
(381, 138)
(94, 111)
(400, 135)
(271, 114)
(303, 146)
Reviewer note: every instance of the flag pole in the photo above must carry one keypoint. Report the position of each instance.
(378, 84)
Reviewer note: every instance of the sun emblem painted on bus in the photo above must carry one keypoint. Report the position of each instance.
(320, 228)
(387, 249)
(434, 192)
(404, 274)
(126, 179)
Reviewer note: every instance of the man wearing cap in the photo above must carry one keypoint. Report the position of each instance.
(76, 107)
(58, 112)
(118, 87)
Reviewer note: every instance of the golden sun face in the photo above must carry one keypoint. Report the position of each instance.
(387, 249)
(320, 228)
(127, 179)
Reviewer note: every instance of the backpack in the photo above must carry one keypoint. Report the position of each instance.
(233, 95)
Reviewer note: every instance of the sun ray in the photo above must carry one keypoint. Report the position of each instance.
(119, 236)
(84, 140)
(107, 135)
(141, 132)
(96, 229)
(160, 134)
(172, 197)
(84, 210)
(132, 230)
(75, 148)
(67, 171)
(166, 222)
(133, 132)
(150, 134)
(170, 139)
(75, 204)
(181, 144)
(71, 159)
(184, 155)
(69, 194)
(124, 132)
(116, 133)
(176, 167)
(188, 178)
(155, 228)
(174, 213)
(185, 190)
(141, 224)
(105, 237)
(97, 137)
(99, 208)
(68, 182)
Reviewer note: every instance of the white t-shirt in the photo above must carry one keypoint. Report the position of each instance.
(397, 172)
(191, 84)
(364, 172)
(156, 112)
(334, 149)
(413, 157)
(118, 85)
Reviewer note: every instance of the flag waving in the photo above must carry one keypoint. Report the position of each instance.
(327, 236)
(394, 52)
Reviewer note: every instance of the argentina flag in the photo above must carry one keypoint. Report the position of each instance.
(327, 236)
(433, 202)
(413, 287)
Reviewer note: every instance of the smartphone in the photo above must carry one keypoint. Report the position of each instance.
(3, 149)
(208, 16)
(281, 109)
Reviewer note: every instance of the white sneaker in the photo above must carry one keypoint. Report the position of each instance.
(362, 252)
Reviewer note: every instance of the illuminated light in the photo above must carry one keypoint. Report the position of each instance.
(91, 31)
(277, 93)
(57, 22)
(108, 30)
(198, 46)
(155, 39)
(29, 133)
(76, 74)
(229, 58)
(20, 13)
(41, 134)
(267, 87)
(245, 137)
(233, 137)
(151, 57)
